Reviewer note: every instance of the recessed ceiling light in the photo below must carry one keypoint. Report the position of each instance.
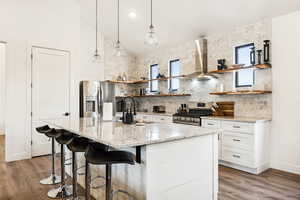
(132, 14)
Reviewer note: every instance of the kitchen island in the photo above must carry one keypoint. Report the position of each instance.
(176, 161)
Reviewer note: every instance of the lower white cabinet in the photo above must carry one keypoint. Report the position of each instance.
(242, 145)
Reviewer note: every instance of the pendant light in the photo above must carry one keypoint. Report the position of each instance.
(151, 39)
(97, 56)
(119, 51)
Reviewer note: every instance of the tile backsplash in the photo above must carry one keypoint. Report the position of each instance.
(220, 45)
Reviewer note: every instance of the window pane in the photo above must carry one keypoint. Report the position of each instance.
(242, 56)
(174, 71)
(153, 75)
(245, 77)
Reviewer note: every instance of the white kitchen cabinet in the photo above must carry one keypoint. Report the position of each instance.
(242, 145)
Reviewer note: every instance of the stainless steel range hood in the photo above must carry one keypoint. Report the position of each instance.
(201, 61)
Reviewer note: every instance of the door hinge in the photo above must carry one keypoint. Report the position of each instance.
(31, 142)
(31, 56)
(31, 85)
(31, 114)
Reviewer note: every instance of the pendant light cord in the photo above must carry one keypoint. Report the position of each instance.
(118, 21)
(96, 26)
(151, 14)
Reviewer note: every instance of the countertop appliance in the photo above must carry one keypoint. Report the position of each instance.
(159, 109)
(192, 116)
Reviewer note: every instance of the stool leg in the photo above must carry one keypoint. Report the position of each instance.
(108, 192)
(87, 181)
(64, 190)
(53, 179)
(74, 171)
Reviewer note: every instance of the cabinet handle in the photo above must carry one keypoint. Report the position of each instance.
(210, 124)
(236, 140)
(236, 156)
(236, 127)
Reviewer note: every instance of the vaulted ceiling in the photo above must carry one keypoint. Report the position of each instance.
(177, 21)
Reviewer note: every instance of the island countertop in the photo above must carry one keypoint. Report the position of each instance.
(119, 135)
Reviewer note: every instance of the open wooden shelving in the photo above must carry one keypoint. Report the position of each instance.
(154, 95)
(261, 66)
(145, 81)
(244, 92)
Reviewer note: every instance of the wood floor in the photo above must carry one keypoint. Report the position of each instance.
(19, 181)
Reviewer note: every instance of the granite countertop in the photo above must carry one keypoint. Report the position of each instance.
(238, 119)
(119, 135)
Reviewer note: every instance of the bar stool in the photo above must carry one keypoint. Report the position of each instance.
(51, 133)
(64, 190)
(78, 144)
(108, 158)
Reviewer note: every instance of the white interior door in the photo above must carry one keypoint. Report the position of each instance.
(2, 88)
(50, 92)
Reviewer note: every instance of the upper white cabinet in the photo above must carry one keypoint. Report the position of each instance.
(242, 145)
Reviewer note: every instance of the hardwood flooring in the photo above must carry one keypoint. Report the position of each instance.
(270, 185)
(20, 181)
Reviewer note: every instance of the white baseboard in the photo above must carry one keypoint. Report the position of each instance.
(245, 169)
(17, 156)
(295, 169)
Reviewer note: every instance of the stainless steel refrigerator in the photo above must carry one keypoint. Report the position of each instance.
(97, 100)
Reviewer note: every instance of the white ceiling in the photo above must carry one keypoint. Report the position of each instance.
(177, 21)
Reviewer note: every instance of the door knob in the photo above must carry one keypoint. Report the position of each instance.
(66, 114)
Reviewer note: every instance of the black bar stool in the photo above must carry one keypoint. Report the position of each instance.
(78, 144)
(107, 158)
(63, 191)
(52, 134)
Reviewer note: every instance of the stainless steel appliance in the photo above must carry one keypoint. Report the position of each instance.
(89, 98)
(97, 99)
(192, 116)
(159, 109)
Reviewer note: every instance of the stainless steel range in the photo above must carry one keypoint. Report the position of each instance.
(191, 116)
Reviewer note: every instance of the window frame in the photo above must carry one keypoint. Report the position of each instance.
(170, 75)
(150, 77)
(236, 62)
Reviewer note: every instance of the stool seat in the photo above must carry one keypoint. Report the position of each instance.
(65, 137)
(43, 129)
(78, 144)
(109, 157)
(52, 133)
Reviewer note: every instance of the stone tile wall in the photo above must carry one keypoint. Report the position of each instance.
(220, 45)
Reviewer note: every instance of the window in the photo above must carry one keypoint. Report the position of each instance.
(245, 77)
(153, 75)
(174, 70)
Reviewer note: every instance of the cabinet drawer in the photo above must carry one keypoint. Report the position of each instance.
(238, 126)
(238, 141)
(239, 157)
(211, 123)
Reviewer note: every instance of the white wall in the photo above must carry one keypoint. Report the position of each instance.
(2, 87)
(47, 23)
(285, 132)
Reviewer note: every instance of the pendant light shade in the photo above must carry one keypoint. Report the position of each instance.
(96, 56)
(119, 51)
(151, 38)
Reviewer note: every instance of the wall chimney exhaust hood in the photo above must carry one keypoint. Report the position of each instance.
(201, 61)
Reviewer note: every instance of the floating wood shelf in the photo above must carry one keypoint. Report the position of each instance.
(154, 95)
(245, 92)
(262, 66)
(145, 81)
